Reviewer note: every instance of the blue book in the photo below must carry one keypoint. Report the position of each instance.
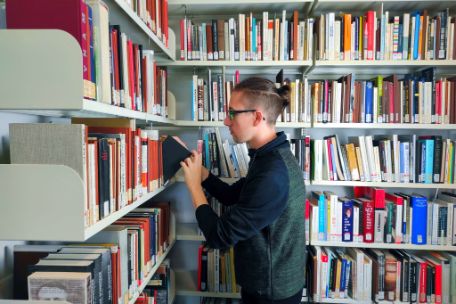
(92, 50)
(207, 159)
(333, 161)
(369, 102)
(322, 215)
(417, 35)
(419, 219)
(429, 161)
(254, 38)
(347, 219)
(343, 274)
(400, 43)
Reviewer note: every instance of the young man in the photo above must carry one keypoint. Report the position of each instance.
(265, 223)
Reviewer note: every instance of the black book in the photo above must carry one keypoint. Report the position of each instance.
(119, 49)
(103, 177)
(24, 256)
(173, 154)
(106, 265)
(95, 257)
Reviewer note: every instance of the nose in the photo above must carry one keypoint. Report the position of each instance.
(227, 121)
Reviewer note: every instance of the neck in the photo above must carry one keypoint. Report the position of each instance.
(261, 138)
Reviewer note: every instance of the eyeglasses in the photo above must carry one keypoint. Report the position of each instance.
(233, 113)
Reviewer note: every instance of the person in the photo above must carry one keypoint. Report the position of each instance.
(265, 222)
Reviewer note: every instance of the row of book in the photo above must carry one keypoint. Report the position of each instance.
(382, 275)
(385, 158)
(417, 98)
(384, 36)
(108, 268)
(154, 13)
(248, 38)
(115, 70)
(222, 158)
(137, 82)
(215, 266)
(376, 216)
(216, 270)
(211, 96)
(117, 162)
(301, 150)
(157, 291)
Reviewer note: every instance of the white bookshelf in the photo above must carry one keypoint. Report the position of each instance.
(188, 232)
(186, 285)
(50, 82)
(383, 184)
(340, 301)
(121, 13)
(388, 126)
(383, 246)
(146, 280)
(389, 63)
(219, 124)
(46, 203)
(207, 7)
(225, 63)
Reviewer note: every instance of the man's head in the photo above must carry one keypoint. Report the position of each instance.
(254, 107)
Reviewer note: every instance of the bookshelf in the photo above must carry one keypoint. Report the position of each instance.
(121, 13)
(383, 184)
(39, 205)
(186, 286)
(57, 56)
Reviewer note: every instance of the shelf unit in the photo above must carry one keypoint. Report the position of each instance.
(392, 126)
(186, 286)
(151, 273)
(240, 64)
(207, 7)
(188, 232)
(382, 184)
(48, 184)
(121, 13)
(383, 246)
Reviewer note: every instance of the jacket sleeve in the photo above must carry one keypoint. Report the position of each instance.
(223, 192)
(263, 200)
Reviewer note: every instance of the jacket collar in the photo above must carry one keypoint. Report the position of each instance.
(278, 142)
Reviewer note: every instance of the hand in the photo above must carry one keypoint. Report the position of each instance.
(192, 167)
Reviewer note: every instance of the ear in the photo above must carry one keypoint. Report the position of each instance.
(259, 117)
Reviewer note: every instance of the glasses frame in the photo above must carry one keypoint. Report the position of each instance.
(232, 113)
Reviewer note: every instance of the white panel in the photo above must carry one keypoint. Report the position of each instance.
(40, 69)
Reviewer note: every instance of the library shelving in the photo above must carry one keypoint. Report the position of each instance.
(188, 232)
(186, 285)
(146, 280)
(49, 198)
(121, 13)
(383, 245)
(49, 83)
(386, 126)
(383, 184)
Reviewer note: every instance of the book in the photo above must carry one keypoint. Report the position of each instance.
(73, 287)
(173, 154)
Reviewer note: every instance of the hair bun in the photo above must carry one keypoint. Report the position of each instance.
(284, 93)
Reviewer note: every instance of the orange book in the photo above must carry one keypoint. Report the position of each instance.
(347, 36)
(420, 40)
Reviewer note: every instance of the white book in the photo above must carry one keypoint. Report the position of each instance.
(242, 37)
(283, 24)
(125, 94)
(369, 153)
(337, 37)
(100, 17)
(266, 54)
(226, 37)
(331, 37)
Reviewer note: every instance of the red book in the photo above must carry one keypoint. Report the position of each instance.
(131, 77)
(66, 15)
(200, 255)
(370, 35)
(295, 35)
(368, 220)
(164, 10)
(182, 39)
(438, 103)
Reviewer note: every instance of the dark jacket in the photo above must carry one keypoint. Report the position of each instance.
(265, 223)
